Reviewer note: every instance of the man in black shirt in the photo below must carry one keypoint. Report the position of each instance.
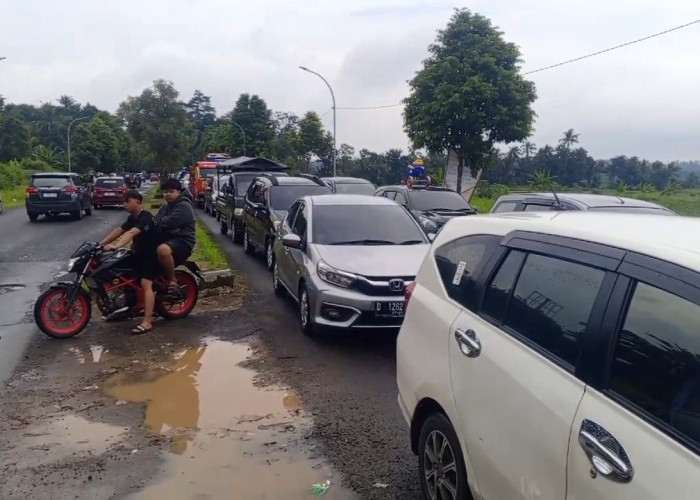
(139, 229)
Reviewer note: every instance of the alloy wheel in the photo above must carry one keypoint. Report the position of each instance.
(440, 467)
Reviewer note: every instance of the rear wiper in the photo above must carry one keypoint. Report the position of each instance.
(412, 242)
(364, 242)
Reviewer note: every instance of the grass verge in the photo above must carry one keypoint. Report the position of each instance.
(13, 197)
(207, 253)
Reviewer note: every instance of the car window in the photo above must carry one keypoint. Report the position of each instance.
(505, 206)
(242, 183)
(534, 207)
(48, 182)
(459, 261)
(401, 198)
(282, 197)
(432, 200)
(354, 188)
(255, 192)
(300, 223)
(112, 182)
(498, 292)
(656, 364)
(353, 224)
(389, 193)
(289, 219)
(551, 303)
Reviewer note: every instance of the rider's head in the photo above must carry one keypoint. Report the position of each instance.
(132, 201)
(171, 189)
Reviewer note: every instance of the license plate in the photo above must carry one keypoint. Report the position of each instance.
(110, 193)
(389, 309)
(49, 195)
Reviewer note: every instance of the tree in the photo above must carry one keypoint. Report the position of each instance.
(96, 146)
(470, 94)
(570, 138)
(312, 138)
(200, 111)
(14, 135)
(253, 116)
(158, 120)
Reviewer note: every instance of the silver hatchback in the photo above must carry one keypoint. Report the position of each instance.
(347, 260)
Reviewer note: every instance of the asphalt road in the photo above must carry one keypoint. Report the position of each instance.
(348, 382)
(32, 254)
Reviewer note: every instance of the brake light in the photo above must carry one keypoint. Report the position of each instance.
(407, 292)
(70, 189)
(32, 190)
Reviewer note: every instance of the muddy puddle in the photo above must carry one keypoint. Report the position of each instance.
(228, 438)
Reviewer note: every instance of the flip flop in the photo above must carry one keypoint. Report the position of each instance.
(140, 330)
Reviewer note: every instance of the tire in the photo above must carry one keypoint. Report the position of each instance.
(33, 216)
(78, 215)
(96, 207)
(247, 246)
(88, 210)
(437, 429)
(276, 285)
(305, 322)
(184, 308)
(269, 254)
(237, 236)
(223, 228)
(82, 303)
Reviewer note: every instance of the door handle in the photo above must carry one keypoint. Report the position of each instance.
(468, 342)
(606, 454)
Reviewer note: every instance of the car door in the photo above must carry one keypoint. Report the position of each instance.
(285, 263)
(252, 207)
(298, 256)
(513, 368)
(637, 434)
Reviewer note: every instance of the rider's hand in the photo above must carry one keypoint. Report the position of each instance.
(109, 248)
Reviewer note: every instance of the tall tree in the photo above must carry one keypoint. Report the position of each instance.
(313, 140)
(158, 120)
(95, 147)
(252, 115)
(470, 94)
(200, 111)
(14, 135)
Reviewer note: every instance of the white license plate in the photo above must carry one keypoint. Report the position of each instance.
(110, 193)
(389, 309)
(49, 195)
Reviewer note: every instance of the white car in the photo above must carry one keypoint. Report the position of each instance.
(555, 356)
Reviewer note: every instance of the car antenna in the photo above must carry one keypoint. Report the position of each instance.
(557, 204)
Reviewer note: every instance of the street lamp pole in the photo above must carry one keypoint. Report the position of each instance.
(243, 133)
(334, 117)
(69, 126)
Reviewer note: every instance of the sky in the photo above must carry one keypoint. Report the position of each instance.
(640, 100)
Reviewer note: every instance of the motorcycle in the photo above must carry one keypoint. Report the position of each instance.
(109, 278)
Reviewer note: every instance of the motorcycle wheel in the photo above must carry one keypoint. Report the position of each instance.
(44, 312)
(178, 310)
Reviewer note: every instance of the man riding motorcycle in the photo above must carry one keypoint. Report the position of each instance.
(140, 230)
(176, 224)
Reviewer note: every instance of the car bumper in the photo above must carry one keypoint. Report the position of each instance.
(342, 308)
(54, 207)
(104, 201)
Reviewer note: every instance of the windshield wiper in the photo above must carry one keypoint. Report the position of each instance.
(412, 242)
(364, 242)
(441, 209)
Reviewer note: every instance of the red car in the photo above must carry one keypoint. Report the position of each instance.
(108, 191)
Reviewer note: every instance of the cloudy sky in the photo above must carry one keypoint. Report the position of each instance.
(640, 100)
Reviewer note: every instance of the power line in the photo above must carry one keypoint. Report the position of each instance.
(568, 61)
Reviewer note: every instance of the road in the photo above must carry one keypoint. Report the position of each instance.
(347, 381)
(32, 254)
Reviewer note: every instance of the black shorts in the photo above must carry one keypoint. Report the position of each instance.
(147, 265)
(181, 250)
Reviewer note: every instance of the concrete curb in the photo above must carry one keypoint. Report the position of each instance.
(224, 278)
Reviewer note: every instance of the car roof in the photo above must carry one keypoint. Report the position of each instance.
(347, 180)
(296, 181)
(674, 239)
(349, 199)
(107, 177)
(586, 200)
(54, 174)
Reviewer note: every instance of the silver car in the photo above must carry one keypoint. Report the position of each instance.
(347, 260)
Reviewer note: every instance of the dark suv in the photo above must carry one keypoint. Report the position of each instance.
(266, 204)
(431, 206)
(55, 193)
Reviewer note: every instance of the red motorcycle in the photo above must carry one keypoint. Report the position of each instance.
(64, 310)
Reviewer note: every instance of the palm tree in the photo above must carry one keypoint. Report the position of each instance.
(528, 148)
(570, 138)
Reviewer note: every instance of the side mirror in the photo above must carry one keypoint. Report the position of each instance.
(292, 241)
(431, 237)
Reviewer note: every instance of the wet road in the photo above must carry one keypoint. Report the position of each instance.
(32, 254)
(347, 381)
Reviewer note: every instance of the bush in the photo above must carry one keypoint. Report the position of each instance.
(16, 172)
(484, 189)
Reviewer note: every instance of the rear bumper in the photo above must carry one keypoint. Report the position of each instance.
(55, 207)
(108, 200)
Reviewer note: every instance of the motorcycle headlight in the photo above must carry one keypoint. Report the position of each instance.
(71, 264)
(238, 212)
(334, 276)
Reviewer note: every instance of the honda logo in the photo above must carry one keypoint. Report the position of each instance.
(396, 285)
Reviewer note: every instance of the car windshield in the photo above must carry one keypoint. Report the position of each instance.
(207, 172)
(354, 188)
(48, 182)
(364, 225)
(112, 182)
(243, 183)
(633, 210)
(434, 200)
(282, 197)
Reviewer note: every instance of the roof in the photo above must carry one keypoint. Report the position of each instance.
(418, 188)
(350, 199)
(53, 174)
(585, 200)
(252, 163)
(108, 177)
(297, 181)
(346, 180)
(674, 239)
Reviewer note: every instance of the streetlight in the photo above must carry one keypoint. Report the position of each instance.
(69, 126)
(332, 97)
(243, 133)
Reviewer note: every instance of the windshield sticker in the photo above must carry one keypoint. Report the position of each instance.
(459, 272)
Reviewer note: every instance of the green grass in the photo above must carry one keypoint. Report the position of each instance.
(13, 197)
(207, 252)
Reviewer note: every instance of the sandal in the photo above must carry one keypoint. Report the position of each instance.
(173, 292)
(140, 329)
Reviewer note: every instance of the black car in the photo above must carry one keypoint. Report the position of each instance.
(431, 206)
(266, 204)
(55, 193)
(350, 185)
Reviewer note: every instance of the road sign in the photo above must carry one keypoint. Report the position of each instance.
(468, 180)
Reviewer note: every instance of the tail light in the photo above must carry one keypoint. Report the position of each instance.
(32, 190)
(408, 292)
(70, 189)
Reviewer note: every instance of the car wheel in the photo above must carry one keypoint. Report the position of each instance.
(96, 207)
(440, 462)
(237, 236)
(276, 285)
(223, 228)
(78, 215)
(88, 210)
(305, 322)
(247, 246)
(32, 217)
(269, 254)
